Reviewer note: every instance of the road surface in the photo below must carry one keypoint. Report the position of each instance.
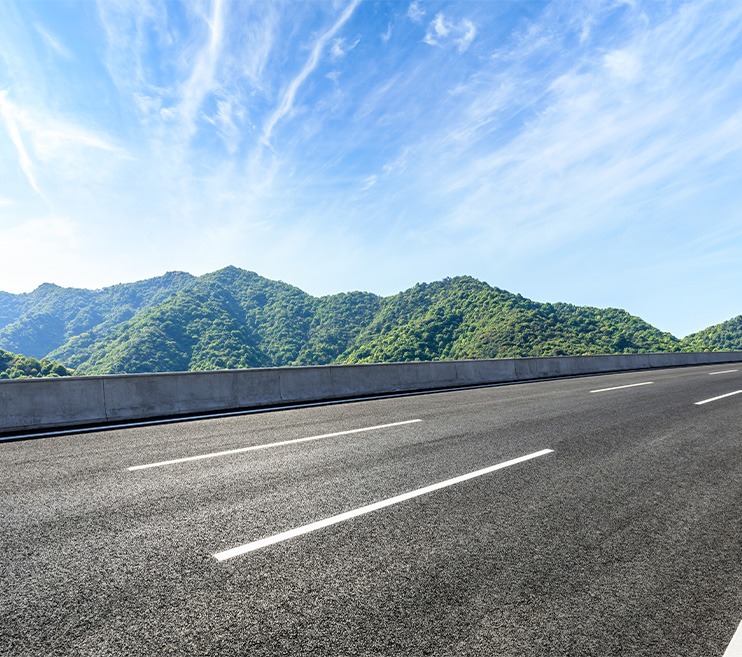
(588, 516)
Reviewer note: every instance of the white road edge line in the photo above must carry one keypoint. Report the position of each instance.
(723, 372)
(253, 448)
(729, 394)
(734, 649)
(342, 517)
(630, 385)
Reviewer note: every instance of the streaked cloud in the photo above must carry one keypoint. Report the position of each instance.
(369, 182)
(289, 95)
(415, 12)
(442, 31)
(623, 64)
(53, 42)
(10, 116)
(340, 47)
(202, 81)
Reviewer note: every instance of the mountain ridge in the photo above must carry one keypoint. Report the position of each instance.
(234, 318)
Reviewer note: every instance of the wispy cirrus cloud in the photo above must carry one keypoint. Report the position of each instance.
(51, 135)
(415, 12)
(202, 80)
(45, 143)
(340, 47)
(289, 95)
(133, 30)
(10, 116)
(443, 31)
(53, 42)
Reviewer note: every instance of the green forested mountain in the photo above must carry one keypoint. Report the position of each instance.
(726, 336)
(462, 318)
(36, 323)
(15, 366)
(231, 318)
(235, 318)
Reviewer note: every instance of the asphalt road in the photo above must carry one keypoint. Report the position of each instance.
(624, 539)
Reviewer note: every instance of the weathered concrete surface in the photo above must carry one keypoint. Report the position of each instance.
(37, 404)
(31, 403)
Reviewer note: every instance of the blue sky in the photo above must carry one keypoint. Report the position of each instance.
(588, 152)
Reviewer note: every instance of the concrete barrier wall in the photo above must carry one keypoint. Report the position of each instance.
(37, 404)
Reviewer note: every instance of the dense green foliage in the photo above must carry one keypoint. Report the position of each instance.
(726, 336)
(40, 321)
(234, 318)
(15, 366)
(231, 318)
(463, 318)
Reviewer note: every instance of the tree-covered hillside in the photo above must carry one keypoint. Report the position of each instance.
(15, 366)
(43, 320)
(228, 319)
(235, 318)
(463, 318)
(726, 336)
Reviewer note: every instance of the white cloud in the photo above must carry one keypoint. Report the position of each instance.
(467, 33)
(51, 150)
(128, 27)
(369, 182)
(340, 49)
(623, 64)
(9, 113)
(388, 34)
(287, 101)
(439, 26)
(53, 42)
(147, 104)
(225, 120)
(52, 137)
(259, 38)
(415, 13)
(202, 79)
(440, 31)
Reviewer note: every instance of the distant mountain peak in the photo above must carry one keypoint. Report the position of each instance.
(48, 287)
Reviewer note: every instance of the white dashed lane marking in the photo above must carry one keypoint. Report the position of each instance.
(314, 526)
(735, 646)
(281, 443)
(713, 399)
(630, 385)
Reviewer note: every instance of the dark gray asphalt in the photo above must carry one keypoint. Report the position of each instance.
(626, 540)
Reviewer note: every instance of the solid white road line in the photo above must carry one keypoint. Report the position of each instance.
(631, 385)
(305, 529)
(268, 445)
(723, 372)
(729, 394)
(734, 649)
